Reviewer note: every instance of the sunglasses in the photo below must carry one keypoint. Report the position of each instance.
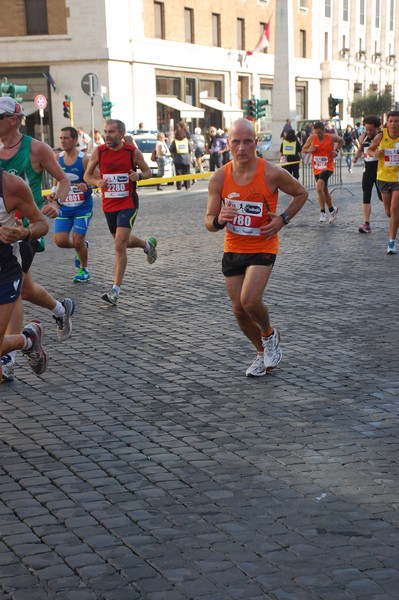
(5, 115)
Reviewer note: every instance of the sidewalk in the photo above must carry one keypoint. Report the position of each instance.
(145, 465)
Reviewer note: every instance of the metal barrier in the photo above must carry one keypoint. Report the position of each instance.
(308, 179)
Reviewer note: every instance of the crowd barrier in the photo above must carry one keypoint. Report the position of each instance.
(306, 176)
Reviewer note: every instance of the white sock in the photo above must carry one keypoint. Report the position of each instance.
(116, 289)
(59, 309)
(28, 342)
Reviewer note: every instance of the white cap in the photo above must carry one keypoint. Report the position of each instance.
(9, 106)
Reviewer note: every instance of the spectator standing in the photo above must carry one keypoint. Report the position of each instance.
(216, 146)
(350, 142)
(180, 150)
(199, 148)
(84, 140)
(290, 153)
(287, 126)
(162, 152)
(329, 128)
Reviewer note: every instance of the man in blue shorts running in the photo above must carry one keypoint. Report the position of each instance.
(77, 209)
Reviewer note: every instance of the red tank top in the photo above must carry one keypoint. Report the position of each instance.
(253, 201)
(323, 159)
(115, 166)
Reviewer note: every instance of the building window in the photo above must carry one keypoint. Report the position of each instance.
(345, 10)
(262, 27)
(303, 4)
(358, 87)
(325, 45)
(189, 25)
(216, 37)
(241, 34)
(36, 17)
(327, 9)
(377, 13)
(159, 18)
(362, 12)
(302, 43)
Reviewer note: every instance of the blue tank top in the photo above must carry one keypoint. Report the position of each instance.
(75, 173)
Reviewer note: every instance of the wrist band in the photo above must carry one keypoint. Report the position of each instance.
(217, 225)
(29, 230)
(54, 189)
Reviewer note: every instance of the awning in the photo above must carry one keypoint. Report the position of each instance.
(186, 110)
(217, 105)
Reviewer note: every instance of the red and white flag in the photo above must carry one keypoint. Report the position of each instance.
(263, 40)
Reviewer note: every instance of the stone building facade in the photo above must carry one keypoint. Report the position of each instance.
(162, 60)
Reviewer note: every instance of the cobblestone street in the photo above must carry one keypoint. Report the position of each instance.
(145, 465)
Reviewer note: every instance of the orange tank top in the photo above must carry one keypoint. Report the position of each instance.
(253, 201)
(323, 159)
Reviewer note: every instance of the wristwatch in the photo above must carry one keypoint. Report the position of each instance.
(58, 201)
(285, 217)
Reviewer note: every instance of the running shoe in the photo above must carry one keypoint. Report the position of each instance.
(151, 252)
(333, 215)
(257, 369)
(323, 217)
(273, 353)
(7, 367)
(392, 247)
(82, 275)
(64, 323)
(111, 297)
(36, 355)
(365, 228)
(77, 259)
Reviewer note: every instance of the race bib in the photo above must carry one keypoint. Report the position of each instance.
(117, 185)
(391, 157)
(248, 219)
(320, 162)
(75, 197)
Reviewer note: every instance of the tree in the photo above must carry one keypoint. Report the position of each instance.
(372, 104)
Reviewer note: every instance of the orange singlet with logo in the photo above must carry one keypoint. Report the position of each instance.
(253, 201)
(323, 159)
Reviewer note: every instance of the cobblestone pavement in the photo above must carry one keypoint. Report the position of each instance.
(144, 464)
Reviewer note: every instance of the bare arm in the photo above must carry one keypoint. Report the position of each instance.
(92, 174)
(360, 148)
(19, 196)
(216, 211)
(43, 158)
(373, 149)
(142, 165)
(308, 146)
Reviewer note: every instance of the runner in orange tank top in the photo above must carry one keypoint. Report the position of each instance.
(324, 147)
(243, 197)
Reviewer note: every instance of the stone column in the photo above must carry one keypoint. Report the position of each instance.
(283, 96)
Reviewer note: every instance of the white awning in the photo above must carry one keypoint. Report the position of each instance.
(217, 105)
(186, 110)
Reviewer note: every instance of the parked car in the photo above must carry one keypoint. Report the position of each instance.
(264, 144)
(146, 144)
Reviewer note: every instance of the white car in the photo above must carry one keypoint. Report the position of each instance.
(146, 144)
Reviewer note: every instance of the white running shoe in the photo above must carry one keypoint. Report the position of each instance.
(111, 297)
(273, 353)
(392, 247)
(333, 215)
(323, 217)
(257, 369)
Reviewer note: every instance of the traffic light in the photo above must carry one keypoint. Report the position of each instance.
(252, 108)
(13, 90)
(106, 107)
(332, 105)
(245, 105)
(67, 107)
(261, 108)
